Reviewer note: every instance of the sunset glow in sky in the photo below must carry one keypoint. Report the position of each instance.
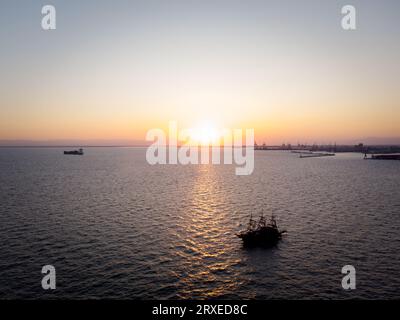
(115, 69)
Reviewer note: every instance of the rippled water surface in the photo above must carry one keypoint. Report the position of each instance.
(115, 227)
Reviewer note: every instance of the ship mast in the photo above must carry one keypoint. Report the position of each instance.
(262, 222)
(252, 223)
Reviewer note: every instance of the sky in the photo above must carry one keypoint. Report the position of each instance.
(112, 70)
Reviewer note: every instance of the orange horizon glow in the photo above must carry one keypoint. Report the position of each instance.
(205, 132)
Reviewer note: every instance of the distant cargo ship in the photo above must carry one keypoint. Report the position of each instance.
(75, 152)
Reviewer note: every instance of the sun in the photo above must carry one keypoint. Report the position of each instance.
(206, 134)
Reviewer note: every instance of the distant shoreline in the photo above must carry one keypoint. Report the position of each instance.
(259, 148)
(75, 146)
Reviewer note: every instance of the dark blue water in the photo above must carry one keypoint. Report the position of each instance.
(115, 227)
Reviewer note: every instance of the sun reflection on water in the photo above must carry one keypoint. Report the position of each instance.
(208, 270)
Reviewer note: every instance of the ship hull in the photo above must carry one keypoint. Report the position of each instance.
(74, 153)
(266, 237)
